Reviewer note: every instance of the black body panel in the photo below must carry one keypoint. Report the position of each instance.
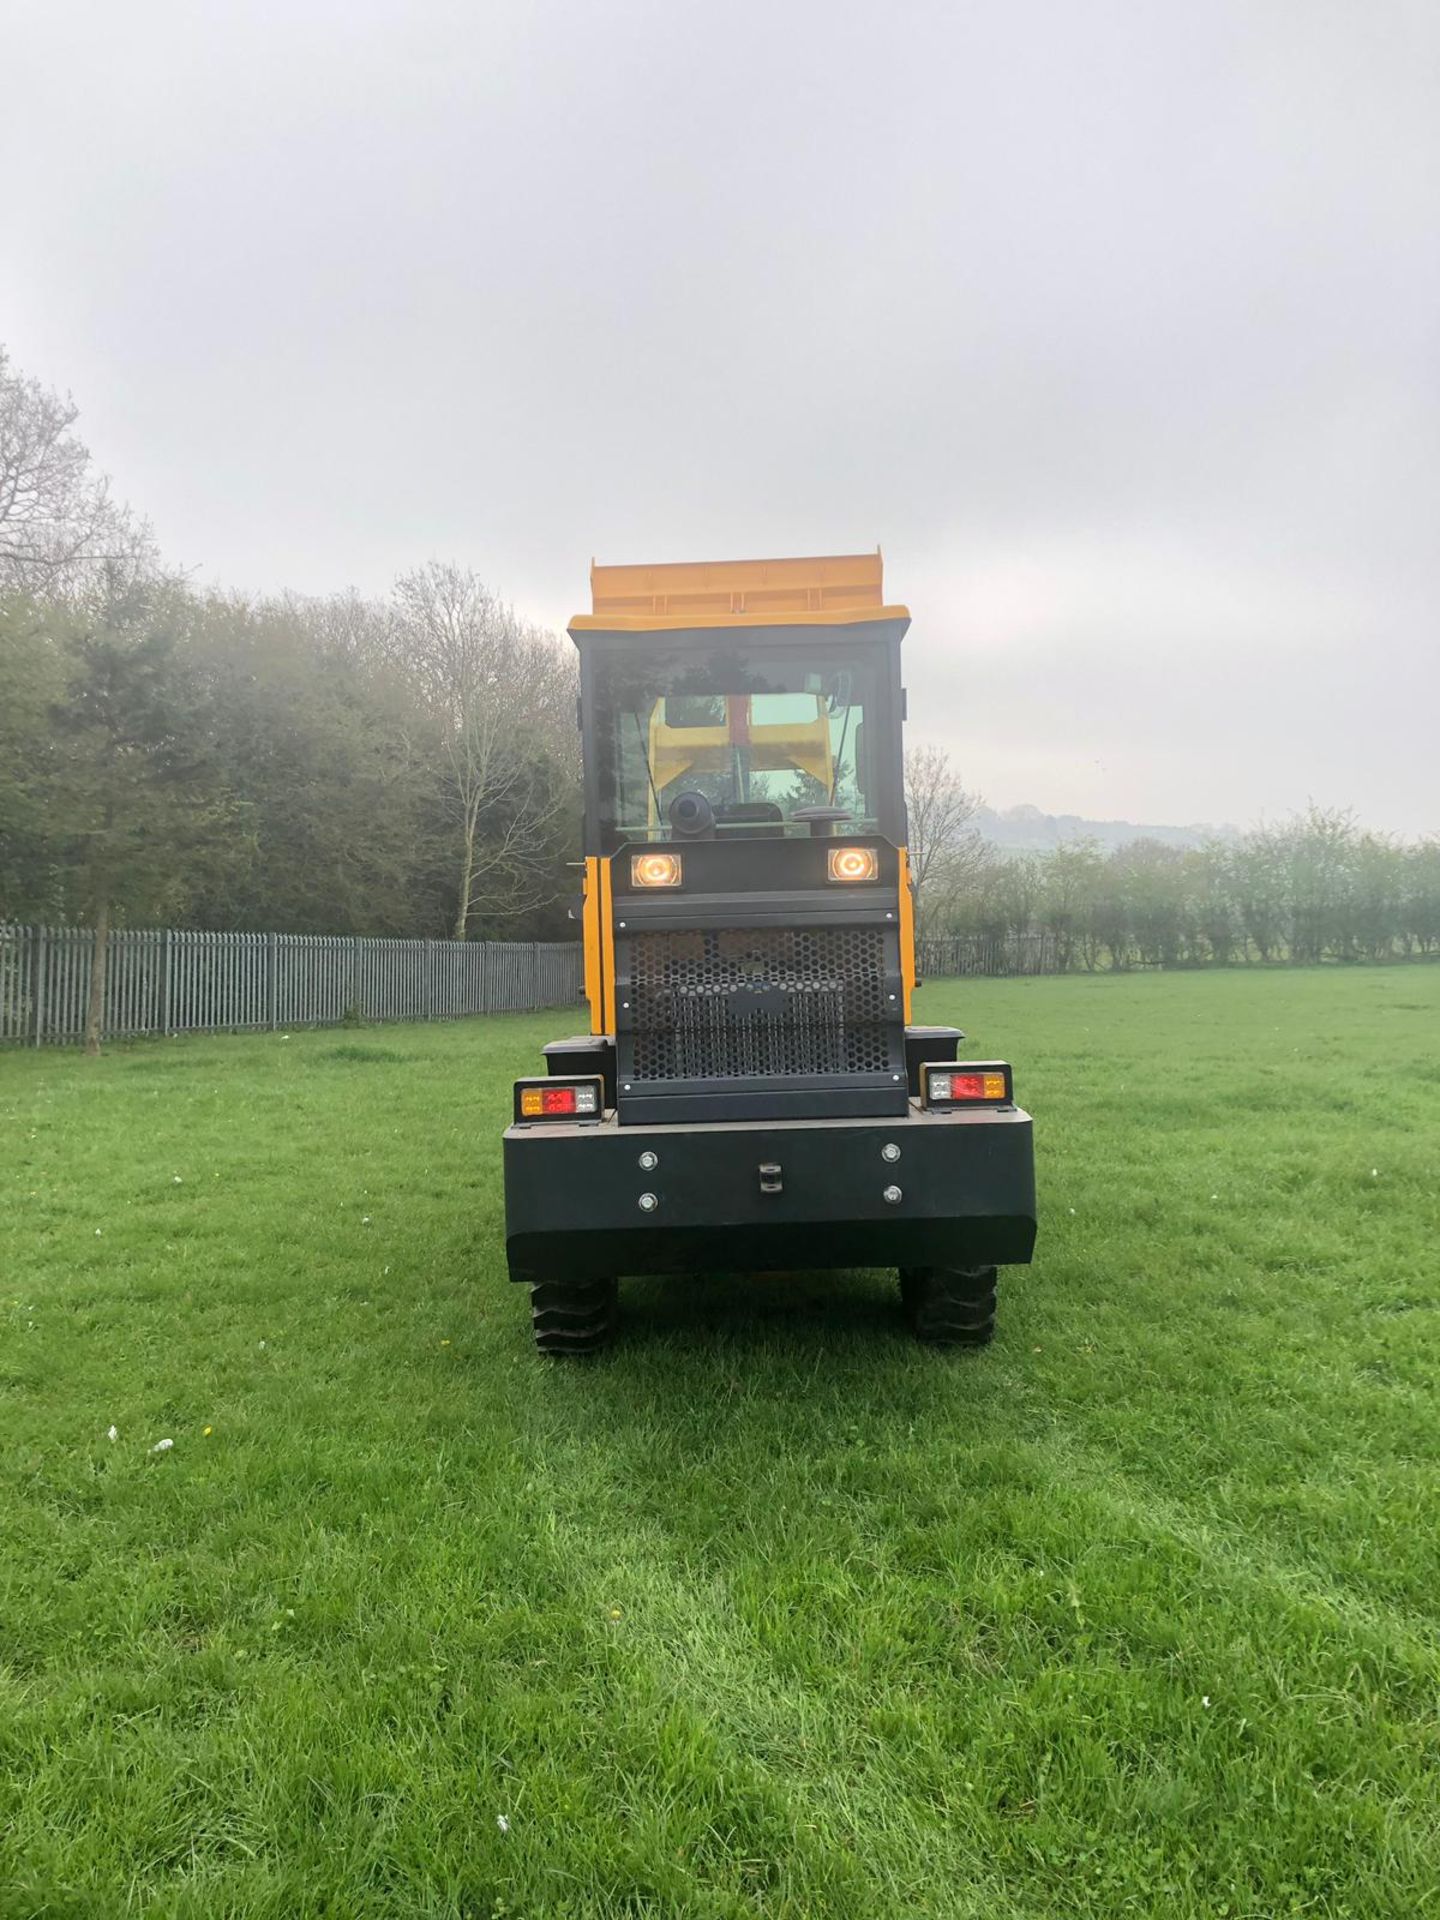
(593, 1053)
(755, 1197)
(742, 1003)
(786, 876)
(923, 1044)
(584, 1053)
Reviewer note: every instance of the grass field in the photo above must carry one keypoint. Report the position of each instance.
(767, 1612)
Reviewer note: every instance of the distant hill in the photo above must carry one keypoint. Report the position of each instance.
(1026, 829)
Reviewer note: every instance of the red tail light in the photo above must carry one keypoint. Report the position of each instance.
(966, 1083)
(559, 1099)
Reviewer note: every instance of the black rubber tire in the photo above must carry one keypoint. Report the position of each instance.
(574, 1316)
(948, 1308)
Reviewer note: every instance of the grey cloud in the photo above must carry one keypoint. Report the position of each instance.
(1116, 324)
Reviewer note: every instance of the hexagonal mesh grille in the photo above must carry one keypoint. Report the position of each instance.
(729, 1005)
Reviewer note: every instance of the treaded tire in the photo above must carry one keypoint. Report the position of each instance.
(574, 1316)
(948, 1308)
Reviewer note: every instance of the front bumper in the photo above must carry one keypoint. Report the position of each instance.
(966, 1181)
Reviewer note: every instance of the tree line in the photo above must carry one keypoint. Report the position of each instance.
(1315, 887)
(399, 765)
(408, 764)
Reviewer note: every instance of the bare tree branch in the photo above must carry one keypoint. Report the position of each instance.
(501, 695)
(60, 530)
(946, 851)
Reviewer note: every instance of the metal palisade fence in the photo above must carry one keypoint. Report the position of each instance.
(170, 981)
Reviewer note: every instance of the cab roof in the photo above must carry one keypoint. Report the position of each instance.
(828, 590)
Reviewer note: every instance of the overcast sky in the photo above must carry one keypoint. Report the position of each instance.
(1117, 325)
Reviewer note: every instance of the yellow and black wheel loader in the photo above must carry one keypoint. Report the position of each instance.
(751, 1095)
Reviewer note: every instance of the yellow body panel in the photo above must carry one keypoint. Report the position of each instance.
(663, 622)
(691, 592)
(594, 947)
(907, 931)
(607, 952)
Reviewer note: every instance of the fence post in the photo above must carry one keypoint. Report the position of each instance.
(37, 962)
(354, 975)
(427, 999)
(166, 976)
(272, 982)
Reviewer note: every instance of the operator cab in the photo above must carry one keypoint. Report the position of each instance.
(740, 735)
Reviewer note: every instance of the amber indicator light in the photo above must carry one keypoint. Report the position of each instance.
(853, 863)
(655, 869)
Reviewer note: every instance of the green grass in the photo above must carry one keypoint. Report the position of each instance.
(768, 1612)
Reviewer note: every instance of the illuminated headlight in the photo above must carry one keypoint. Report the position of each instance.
(559, 1099)
(967, 1083)
(853, 863)
(654, 869)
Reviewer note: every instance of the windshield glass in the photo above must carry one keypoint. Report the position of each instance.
(761, 735)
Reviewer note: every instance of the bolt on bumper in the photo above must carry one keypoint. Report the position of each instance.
(923, 1189)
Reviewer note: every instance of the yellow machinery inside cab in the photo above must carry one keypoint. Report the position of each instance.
(680, 744)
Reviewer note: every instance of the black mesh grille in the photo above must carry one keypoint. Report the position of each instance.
(746, 1003)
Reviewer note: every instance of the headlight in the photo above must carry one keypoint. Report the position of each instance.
(654, 869)
(853, 863)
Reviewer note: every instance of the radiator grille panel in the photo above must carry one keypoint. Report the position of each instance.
(741, 1004)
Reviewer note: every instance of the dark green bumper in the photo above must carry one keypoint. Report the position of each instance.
(576, 1207)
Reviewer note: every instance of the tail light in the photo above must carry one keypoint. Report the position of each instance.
(966, 1083)
(559, 1099)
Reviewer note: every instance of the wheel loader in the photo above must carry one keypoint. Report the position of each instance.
(752, 1095)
